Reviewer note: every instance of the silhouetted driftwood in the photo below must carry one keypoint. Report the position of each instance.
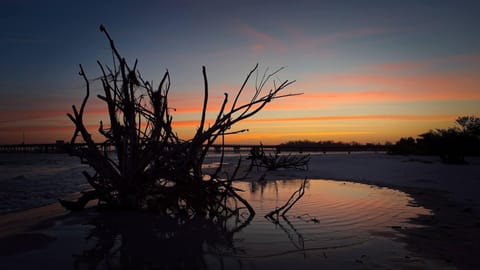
(153, 168)
(282, 210)
(271, 162)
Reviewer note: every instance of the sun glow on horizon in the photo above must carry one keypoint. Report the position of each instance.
(372, 80)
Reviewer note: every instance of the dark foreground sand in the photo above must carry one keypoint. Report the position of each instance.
(18, 230)
(450, 236)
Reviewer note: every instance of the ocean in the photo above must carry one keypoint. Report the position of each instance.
(29, 180)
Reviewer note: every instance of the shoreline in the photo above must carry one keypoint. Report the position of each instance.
(24, 220)
(451, 235)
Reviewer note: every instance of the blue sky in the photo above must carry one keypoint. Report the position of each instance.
(378, 69)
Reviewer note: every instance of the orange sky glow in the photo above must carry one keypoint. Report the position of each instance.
(361, 80)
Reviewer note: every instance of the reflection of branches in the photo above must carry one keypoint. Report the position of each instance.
(307, 218)
(260, 182)
(129, 240)
(291, 233)
(297, 195)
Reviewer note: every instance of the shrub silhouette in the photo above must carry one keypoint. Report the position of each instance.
(451, 144)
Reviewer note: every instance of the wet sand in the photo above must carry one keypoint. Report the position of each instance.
(451, 236)
(19, 232)
(452, 192)
(18, 222)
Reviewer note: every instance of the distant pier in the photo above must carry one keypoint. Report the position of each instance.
(29, 148)
(57, 147)
(60, 147)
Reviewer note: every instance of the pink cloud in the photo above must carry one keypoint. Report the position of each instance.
(409, 65)
(20, 115)
(325, 91)
(405, 117)
(256, 48)
(439, 82)
(466, 58)
(399, 66)
(305, 41)
(357, 117)
(262, 41)
(389, 96)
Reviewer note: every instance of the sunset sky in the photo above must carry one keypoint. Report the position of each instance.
(370, 71)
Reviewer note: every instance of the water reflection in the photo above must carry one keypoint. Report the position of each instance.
(295, 237)
(331, 223)
(331, 217)
(126, 240)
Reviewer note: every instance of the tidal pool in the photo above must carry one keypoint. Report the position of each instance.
(336, 225)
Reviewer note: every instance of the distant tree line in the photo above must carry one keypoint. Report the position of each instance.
(452, 144)
(326, 146)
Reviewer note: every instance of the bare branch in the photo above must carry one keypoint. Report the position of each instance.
(154, 168)
(205, 100)
(294, 198)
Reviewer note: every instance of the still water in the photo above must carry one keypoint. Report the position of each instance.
(335, 225)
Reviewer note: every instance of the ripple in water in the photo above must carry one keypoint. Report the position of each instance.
(331, 215)
(334, 226)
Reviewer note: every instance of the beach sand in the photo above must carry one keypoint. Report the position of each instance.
(450, 236)
(451, 192)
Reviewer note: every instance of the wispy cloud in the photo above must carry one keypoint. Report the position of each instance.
(432, 86)
(298, 39)
(262, 41)
(321, 40)
(371, 96)
(465, 58)
(404, 117)
(399, 66)
(326, 91)
(401, 117)
(425, 65)
(28, 115)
